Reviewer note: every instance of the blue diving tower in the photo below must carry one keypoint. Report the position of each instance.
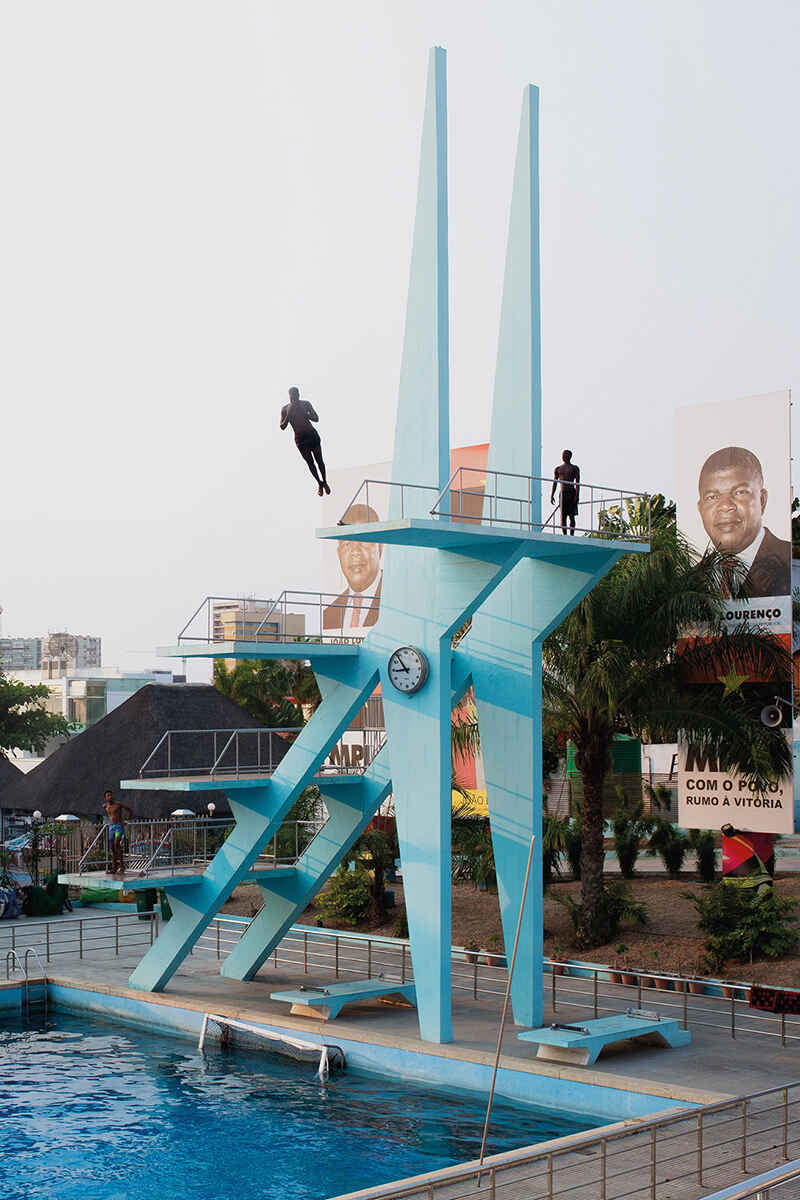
(476, 574)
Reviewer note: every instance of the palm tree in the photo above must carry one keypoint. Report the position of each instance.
(613, 666)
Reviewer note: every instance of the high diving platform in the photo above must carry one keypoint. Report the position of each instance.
(482, 554)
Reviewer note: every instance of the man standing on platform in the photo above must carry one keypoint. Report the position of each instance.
(568, 475)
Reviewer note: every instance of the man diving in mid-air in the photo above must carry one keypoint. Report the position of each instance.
(299, 414)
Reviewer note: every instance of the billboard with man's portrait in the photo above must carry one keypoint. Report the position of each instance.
(734, 496)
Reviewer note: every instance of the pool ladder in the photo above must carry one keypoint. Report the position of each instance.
(14, 963)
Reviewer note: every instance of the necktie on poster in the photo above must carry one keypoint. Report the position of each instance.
(355, 619)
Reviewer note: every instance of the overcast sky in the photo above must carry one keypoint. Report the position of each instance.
(203, 203)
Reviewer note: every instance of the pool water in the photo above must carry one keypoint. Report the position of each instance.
(100, 1111)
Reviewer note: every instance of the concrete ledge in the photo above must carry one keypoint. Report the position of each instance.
(451, 1065)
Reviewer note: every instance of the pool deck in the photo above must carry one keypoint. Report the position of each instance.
(713, 1067)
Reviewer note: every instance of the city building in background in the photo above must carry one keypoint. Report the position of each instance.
(20, 654)
(253, 620)
(84, 697)
(53, 655)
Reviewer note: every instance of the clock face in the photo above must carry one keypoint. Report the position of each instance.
(408, 669)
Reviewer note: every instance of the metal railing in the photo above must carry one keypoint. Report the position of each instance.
(483, 977)
(176, 846)
(383, 500)
(478, 496)
(111, 933)
(680, 1154)
(782, 1183)
(295, 616)
(483, 497)
(233, 753)
(185, 752)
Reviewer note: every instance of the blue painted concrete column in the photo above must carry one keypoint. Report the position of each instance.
(418, 726)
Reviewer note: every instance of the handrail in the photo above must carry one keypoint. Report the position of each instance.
(250, 617)
(12, 957)
(145, 870)
(255, 730)
(103, 829)
(568, 1145)
(756, 1186)
(152, 753)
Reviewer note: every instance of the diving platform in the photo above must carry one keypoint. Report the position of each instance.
(228, 783)
(165, 878)
(500, 555)
(472, 539)
(318, 652)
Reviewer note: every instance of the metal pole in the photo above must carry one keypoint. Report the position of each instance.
(700, 1149)
(116, 935)
(505, 1005)
(595, 994)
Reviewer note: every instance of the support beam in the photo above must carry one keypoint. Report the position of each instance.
(285, 899)
(259, 811)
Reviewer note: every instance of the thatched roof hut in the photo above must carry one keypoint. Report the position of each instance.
(8, 774)
(74, 777)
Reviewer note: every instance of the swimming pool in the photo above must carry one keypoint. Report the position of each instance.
(99, 1111)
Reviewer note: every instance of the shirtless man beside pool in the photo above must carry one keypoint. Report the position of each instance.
(116, 830)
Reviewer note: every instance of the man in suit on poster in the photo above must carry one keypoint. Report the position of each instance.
(731, 503)
(359, 604)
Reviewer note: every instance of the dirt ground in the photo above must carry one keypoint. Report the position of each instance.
(669, 942)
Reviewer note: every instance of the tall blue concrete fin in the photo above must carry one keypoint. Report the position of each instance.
(422, 431)
(421, 723)
(509, 700)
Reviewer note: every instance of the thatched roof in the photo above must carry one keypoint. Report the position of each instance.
(8, 774)
(74, 777)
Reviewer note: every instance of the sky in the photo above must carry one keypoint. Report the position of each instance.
(205, 203)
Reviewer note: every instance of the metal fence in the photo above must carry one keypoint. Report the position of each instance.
(782, 1183)
(473, 977)
(680, 1155)
(293, 616)
(111, 933)
(159, 848)
(478, 496)
(233, 753)
(483, 497)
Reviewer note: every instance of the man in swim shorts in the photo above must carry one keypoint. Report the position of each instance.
(299, 414)
(116, 830)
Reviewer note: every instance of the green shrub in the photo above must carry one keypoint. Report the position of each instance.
(630, 825)
(671, 843)
(616, 907)
(347, 899)
(742, 924)
(573, 844)
(401, 924)
(702, 842)
(555, 834)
